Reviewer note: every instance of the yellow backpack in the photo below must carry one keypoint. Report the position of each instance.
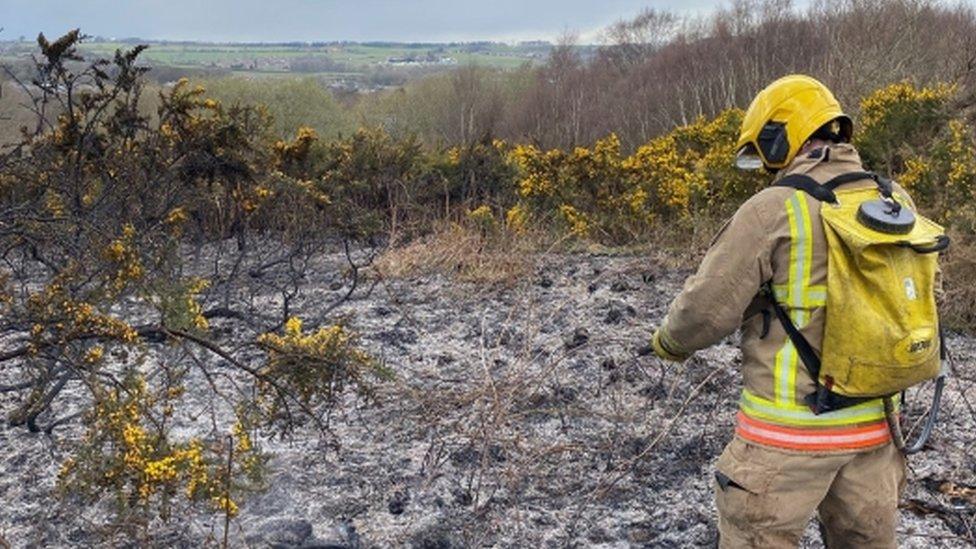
(881, 334)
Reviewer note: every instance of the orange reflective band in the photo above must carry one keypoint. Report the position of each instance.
(845, 438)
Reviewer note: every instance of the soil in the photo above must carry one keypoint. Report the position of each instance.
(520, 415)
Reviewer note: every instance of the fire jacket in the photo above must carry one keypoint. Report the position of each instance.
(777, 236)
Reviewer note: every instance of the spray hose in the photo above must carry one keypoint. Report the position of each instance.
(894, 421)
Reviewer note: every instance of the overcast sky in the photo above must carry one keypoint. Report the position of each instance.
(326, 20)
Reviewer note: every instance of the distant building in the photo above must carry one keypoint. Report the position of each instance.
(430, 58)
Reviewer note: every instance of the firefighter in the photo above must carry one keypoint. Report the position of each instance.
(785, 462)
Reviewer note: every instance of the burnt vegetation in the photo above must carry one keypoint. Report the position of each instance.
(102, 207)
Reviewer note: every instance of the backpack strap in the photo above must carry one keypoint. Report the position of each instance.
(825, 192)
(823, 400)
(800, 343)
(808, 185)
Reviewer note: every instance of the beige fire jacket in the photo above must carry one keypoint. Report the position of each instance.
(776, 235)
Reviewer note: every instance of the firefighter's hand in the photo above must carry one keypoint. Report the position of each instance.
(661, 351)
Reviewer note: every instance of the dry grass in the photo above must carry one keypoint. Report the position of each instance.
(470, 254)
(466, 253)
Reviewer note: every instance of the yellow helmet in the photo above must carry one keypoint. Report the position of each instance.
(783, 117)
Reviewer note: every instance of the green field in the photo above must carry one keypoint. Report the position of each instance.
(358, 56)
(339, 61)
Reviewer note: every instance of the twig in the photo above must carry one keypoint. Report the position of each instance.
(282, 392)
(230, 464)
(602, 491)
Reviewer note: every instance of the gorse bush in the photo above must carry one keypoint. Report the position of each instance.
(899, 120)
(598, 193)
(922, 137)
(97, 206)
(123, 454)
(317, 365)
(915, 134)
(907, 132)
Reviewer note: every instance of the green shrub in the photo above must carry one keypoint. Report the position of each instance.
(291, 103)
(898, 121)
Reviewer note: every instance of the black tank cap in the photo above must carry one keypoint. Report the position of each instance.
(881, 216)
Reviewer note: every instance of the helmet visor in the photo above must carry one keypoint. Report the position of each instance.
(748, 158)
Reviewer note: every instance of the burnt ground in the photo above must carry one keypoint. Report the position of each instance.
(520, 416)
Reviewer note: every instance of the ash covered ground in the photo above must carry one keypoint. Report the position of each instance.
(520, 416)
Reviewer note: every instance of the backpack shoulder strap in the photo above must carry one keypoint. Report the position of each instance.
(803, 348)
(825, 192)
(823, 400)
(808, 185)
(883, 183)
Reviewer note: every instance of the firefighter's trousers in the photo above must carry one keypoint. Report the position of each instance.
(766, 497)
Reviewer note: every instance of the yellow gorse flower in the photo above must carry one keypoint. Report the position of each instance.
(517, 218)
(94, 354)
(143, 463)
(579, 225)
(318, 363)
(597, 190)
(876, 106)
(293, 327)
(482, 215)
(176, 216)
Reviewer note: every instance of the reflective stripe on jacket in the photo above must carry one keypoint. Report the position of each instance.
(776, 235)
